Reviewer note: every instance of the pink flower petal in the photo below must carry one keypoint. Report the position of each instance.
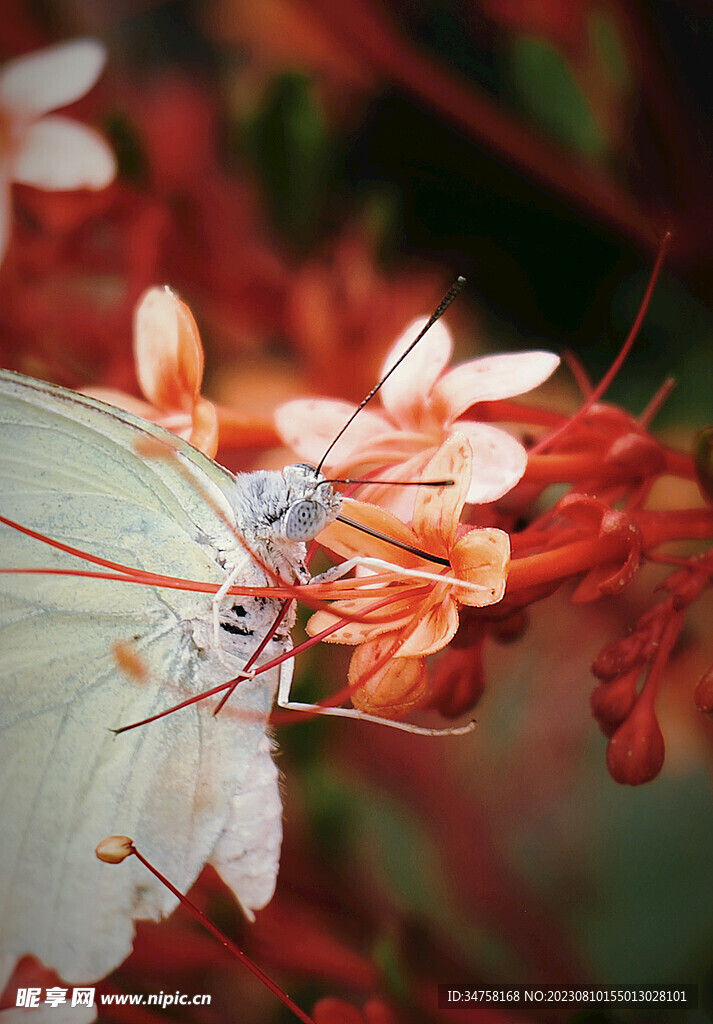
(482, 557)
(167, 351)
(51, 78)
(489, 379)
(398, 500)
(204, 433)
(345, 540)
(309, 425)
(353, 632)
(61, 154)
(405, 394)
(437, 510)
(433, 630)
(498, 461)
(122, 401)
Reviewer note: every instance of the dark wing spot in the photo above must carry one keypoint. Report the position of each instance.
(232, 627)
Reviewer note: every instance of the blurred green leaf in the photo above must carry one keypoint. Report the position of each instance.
(383, 841)
(674, 341)
(545, 90)
(652, 861)
(386, 955)
(288, 142)
(605, 37)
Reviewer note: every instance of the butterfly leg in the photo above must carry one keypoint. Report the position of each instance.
(216, 603)
(283, 701)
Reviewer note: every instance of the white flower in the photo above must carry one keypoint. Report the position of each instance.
(49, 152)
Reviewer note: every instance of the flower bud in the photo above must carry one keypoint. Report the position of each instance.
(703, 695)
(114, 849)
(457, 681)
(386, 685)
(686, 586)
(636, 454)
(619, 657)
(636, 750)
(612, 702)
(609, 418)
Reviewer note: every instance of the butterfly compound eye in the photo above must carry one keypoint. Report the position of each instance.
(304, 520)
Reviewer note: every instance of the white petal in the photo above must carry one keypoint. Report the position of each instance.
(405, 393)
(51, 78)
(61, 154)
(499, 460)
(5, 212)
(489, 379)
(309, 425)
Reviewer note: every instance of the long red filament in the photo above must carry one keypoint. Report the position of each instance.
(225, 941)
(613, 370)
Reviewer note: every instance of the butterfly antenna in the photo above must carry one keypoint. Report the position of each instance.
(391, 483)
(404, 545)
(452, 293)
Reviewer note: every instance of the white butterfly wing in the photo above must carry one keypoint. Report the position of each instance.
(247, 854)
(69, 468)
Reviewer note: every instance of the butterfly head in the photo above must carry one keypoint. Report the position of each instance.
(312, 503)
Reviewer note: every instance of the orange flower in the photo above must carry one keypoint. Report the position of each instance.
(169, 366)
(424, 616)
(168, 355)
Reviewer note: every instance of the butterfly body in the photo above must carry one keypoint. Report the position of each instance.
(191, 787)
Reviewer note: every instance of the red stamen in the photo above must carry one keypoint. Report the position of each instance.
(656, 403)
(576, 368)
(608, 377)
(238, 953)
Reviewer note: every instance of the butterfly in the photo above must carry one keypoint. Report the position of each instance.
(191, 788)
(88, 651)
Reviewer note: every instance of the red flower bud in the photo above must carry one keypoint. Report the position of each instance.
(457, 681)
(686, 586)
(336, 1011)
(703, 695)
(612, 702)
(636, 454)
(636, 750)
(609, 418)
(619, 657)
